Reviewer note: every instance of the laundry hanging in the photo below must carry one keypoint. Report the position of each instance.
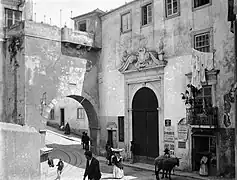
(200, 62)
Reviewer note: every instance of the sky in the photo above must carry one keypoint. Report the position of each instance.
(45, 9)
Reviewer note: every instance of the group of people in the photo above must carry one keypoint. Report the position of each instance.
(59, 169)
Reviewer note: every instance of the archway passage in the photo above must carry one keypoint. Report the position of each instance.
(145, 123)
(92, 119)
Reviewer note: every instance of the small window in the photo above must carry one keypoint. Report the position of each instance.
(80, 113)
(126, 22)
(121, 128)
(52, 114)
(12, 17)
(202, 42)
(199, 3)
(168, 122)
(82, 26)
(172, 7)
(147, 14)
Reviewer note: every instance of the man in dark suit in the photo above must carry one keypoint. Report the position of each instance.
(92, 167)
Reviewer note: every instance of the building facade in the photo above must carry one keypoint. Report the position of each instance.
(69, 111)
(146, 62)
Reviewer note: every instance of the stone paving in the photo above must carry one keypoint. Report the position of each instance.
(78, 170)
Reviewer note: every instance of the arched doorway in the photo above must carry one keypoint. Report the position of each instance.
(93, 122)
(145, 129)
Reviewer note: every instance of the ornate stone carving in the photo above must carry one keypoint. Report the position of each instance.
(140, 59)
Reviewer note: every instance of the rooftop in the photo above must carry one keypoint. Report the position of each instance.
(89, 13)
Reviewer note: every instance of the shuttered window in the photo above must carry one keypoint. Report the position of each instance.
(126, 22)
(147, 14)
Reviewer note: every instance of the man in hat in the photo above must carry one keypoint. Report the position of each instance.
(167, 153)
(92, 167)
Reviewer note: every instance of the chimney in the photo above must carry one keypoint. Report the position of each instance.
(28, 10)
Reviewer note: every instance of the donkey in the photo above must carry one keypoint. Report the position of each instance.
(166, 164)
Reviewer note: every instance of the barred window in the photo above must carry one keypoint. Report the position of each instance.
(202, 42)
(171, 7)
(147, 14)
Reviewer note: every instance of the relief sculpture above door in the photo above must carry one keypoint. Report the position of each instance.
(140, 60)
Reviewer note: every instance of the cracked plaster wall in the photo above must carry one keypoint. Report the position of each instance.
(177, 34)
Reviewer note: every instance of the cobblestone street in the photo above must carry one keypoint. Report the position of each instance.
(71, 153)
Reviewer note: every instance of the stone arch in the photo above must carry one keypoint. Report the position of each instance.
(148, 85)
(92, 115)
(157, 87)
(145, 123)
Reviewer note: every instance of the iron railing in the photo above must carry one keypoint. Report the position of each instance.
(209, 116)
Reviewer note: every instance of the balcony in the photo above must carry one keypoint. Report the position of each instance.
(207, 118)
(77, 37)
(14, 2)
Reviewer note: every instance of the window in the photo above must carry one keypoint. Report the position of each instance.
(121, 128)
(82, 25)
(126, 22)
(52, 114)
(12, 17)
(198, 3)
(203, 99)
(202, 42)
(172, 7)
(80, 113)
(167, 122)
(146, 14)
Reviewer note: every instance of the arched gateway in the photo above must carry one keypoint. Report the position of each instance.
(145, 123)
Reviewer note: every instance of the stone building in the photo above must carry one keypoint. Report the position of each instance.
(67, 110)
(127, 68)
(148, 47)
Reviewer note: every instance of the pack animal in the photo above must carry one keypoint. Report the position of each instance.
(166, 164)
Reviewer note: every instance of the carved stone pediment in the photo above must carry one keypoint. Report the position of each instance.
(140, 60)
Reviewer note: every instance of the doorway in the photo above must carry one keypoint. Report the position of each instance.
(110, 138)
(145, 129)
(204, 144)
(62, 117)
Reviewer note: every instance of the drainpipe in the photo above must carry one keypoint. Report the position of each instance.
(235, 46)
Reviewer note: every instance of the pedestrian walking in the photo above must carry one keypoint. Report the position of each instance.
(92, 167)
(67, 129)
(60, 169)
(132, 149)
(83, 140)
(87, 141)
(109, 152)
(50, 162)
(117, 164)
